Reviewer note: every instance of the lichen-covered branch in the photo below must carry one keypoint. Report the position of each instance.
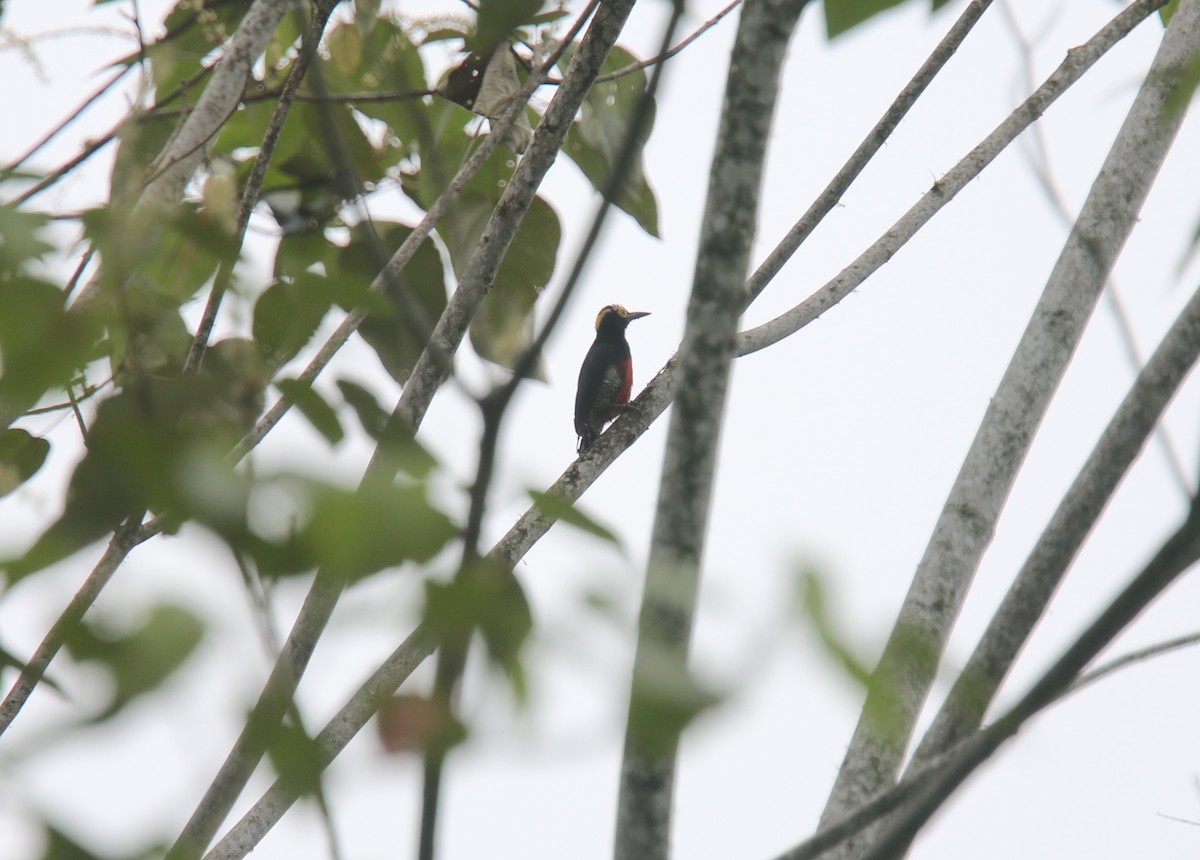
(967, 523)
(646, 791)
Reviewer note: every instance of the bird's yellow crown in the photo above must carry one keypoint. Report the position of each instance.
(619, 310)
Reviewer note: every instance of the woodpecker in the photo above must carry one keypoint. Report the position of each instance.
(606, 377)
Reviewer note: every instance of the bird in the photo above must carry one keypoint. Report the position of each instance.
(606, 377)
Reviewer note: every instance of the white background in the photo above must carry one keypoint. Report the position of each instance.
(839, 448)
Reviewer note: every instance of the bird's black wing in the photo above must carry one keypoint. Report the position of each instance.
(600, 357)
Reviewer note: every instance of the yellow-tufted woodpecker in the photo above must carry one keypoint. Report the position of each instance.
(606, 377)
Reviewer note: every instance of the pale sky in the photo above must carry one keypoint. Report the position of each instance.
(839, 448)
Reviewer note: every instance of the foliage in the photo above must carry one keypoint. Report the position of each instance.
(157, 417)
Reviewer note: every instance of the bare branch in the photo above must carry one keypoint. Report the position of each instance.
(254, 183)
(645, 799)
(967, 523)
(1013, 622)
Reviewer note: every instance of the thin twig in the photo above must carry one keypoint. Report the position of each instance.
(258, 173)
(70, 118)
(327, 585)
(528, 529)
(453, 654)
(123, 540)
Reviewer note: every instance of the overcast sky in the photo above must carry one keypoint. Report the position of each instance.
(839, 448)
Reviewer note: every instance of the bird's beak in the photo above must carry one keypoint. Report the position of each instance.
(637, 315)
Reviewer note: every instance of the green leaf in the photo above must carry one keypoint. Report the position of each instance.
(503, 328)
(1168, 11)
(663, 701)
(556, 507)
(152, 263)
(60, 846)
(1184, 89)
(41, 344)
(155, 445)
(360, 533)
(21, 455)
(594, 142)
(399, 322)
(319, 413)
(383, 60)
(486, 598)
(371, 415)
(138, 662)
(140, 138)
(287, 314)
(366, 14)
(397, 445)
(297, 759)
(345, 46)
(194, 30)
(20, 240)
(813, 603)
(497, 19)
(842, 16)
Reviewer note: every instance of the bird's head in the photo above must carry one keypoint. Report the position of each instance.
(616, 317)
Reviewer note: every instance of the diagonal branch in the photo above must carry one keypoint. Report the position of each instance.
(658, 394)
(965, 528)
(1120, 444)
(327, 586)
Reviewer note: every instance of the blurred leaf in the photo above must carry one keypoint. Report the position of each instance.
(663, 701)
(371, 415)
(151, 262)
(1185, 89)
(287, 314)
(345, 46)
(297, 759)
(409, 723)
(594, 142)
(383, 59)
(156, 445)
(285, 41)
(811, 593)
(397, 445)
(1167, 12)
(844, 15)
(556, 507)
(464, 81)
(497, 19)
(193, 31)
(21, 455)
(244, 130)
(140, 138)
(20, 241)
(41, 345)
(503, 328)
(225, 397)
(322, 158)
(307, 254)
(488, 599)
(319, 413)
(141, 661)
(59, 846)
(366, 13)
(355, 533)
(396, 335)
